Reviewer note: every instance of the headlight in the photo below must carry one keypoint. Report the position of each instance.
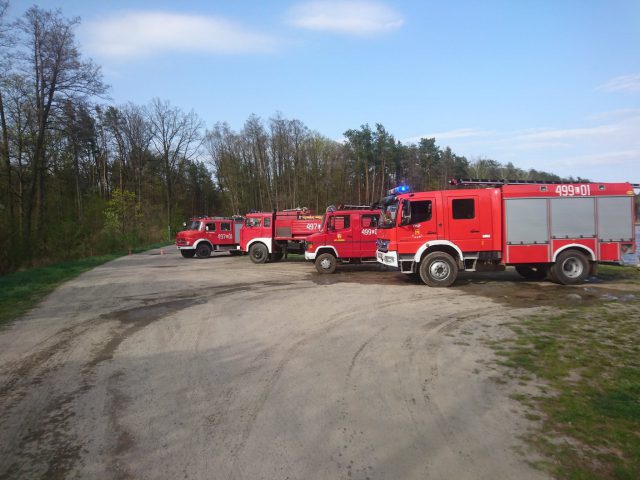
(308, 246)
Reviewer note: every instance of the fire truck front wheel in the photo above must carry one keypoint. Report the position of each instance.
(188, 253)
(258, 253)
(326, 263)
(203, 251)
(438, 269)
(571, 267)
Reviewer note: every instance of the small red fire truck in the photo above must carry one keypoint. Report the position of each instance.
(204, 235)
(542, 228)
(346, 235)
(269, 236)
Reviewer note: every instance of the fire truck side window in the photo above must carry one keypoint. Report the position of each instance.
(210, 227)
(421, 211)
(369, 221)
(340, 222)
(463, 209)
(252, 222)
(267, 222)
(225, 227)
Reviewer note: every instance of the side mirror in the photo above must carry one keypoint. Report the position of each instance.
(406, 213)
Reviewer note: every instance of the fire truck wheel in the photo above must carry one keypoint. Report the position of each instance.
(537, 272)
(571, 267)
(188, 253)
(438, 269)
(326, 263)
(258, 253)
(203, 251)
(276, 256)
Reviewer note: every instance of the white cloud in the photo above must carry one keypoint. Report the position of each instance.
(139, 34)
(449, 134)
(624, 83)
(352, 17)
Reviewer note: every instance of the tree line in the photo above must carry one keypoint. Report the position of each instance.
(80, 176)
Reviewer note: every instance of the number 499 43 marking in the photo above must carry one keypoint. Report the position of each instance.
(573, 190)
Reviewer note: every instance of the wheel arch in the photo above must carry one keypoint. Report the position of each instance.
(267, 244)
(327, 249)
(201, 241)
(440, 246)
(575, 246)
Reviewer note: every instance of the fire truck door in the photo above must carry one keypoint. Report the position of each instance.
(367, 232)
(422, 227)
(340, 235)
(225, 237)
(210, 232)
(464, 221)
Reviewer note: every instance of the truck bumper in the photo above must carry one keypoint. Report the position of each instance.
(186, 247)
(309, 255)
(389, 258)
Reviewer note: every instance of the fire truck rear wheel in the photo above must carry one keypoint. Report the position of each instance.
(534, 272)
(438, 269)
(326, 263)
(258, 253)
(571, 267)
(188, 253)
(203, 251)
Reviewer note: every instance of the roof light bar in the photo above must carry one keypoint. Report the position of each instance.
(398, 190)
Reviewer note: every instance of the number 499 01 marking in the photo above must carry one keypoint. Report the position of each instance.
(573, 190)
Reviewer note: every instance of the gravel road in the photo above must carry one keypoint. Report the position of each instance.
(158, 367)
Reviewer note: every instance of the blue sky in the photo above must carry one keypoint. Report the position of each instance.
(552, 85)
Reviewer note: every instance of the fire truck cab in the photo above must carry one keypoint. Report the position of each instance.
(347, 235)
(558, 229)
(270, 236)
(204, 235)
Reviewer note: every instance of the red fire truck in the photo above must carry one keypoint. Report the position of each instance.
(204, 235)
(269, 236)
(542, 228)
(346, 235)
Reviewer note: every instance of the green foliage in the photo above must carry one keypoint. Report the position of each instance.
(123, 217)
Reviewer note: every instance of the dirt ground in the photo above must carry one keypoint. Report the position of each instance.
(154, 366)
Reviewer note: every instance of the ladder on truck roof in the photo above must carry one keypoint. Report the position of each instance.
(333, 208)
(498, 182)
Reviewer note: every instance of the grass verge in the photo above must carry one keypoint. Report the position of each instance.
(21, 291)
(588, 359)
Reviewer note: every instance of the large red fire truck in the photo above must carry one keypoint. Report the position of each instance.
(347, 235)
(269, 236)
(542, 228)
(204, 235)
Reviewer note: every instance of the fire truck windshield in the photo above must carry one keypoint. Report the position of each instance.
(194, 225)
(388, 214)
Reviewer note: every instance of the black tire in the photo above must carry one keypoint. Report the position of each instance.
(188, 253)
(571, 267)
(258, 253)
(533, 272)
(438, 269)
(326, 263)
(203, 251)
(276, 256)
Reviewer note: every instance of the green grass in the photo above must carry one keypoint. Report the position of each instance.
(613, 272)
(21, 291)
(589, 358)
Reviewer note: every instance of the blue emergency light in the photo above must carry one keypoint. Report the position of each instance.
(399, 190)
